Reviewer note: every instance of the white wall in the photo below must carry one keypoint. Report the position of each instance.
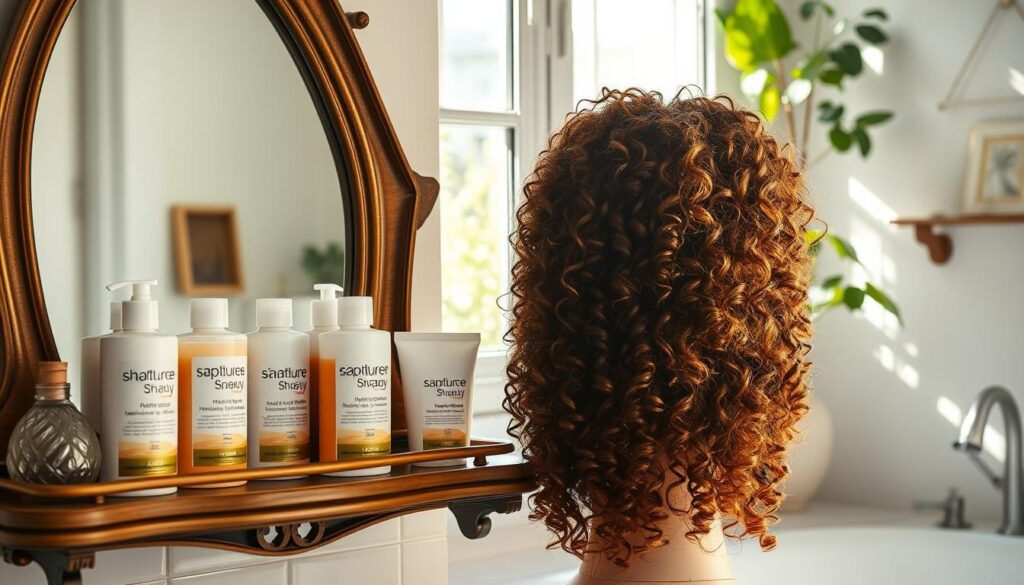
(401, 48)
(964, 319)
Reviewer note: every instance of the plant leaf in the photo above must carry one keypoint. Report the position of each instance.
(863, 141)
(832, 281)
(840, 140)
(809, 68)
(876, 13)
(813, 240)
(873, 118)
(756, 32)
(843, 248)
(832, 76)
(848, 58)
(871, 34)
(830, 113)
(883, 299)
(853, 297)
(839, 27)
(807, 9)
(769, 100)
(797, 91)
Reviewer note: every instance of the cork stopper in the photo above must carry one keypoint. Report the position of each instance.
(52, 381)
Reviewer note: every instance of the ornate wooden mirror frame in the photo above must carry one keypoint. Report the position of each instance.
(385, 201)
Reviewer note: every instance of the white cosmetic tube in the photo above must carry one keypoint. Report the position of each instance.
(437, 385)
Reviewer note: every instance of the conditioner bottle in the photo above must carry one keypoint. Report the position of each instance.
(278, 388)
(355, 388)
(212, 430)
(139, 394)
(325, 319)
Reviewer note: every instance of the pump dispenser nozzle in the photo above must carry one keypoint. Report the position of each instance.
(325, 310)
(140, 312)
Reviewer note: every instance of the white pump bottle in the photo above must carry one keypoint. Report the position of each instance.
(90, 384)
(139, 397)
(325, 320)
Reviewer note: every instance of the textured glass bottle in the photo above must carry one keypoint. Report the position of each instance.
(52, 443)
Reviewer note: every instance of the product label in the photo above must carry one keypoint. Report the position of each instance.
(218, 411)
(363, 409)
(444, 412)
(148, 426)
(284, 414)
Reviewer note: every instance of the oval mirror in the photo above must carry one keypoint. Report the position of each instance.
(176, 140)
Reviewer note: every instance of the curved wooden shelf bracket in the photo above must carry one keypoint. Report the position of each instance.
(940, 246)
(60, 568)
(472, 515)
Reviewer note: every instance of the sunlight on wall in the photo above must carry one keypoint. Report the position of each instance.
(890, 361)
(871, 203)
(878, 267)
(1017, 80)
(873, 58)
(994, 440)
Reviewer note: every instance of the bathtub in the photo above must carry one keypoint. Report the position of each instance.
(881, 556)
(827, 545)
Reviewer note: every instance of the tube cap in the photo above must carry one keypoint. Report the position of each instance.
(209, 313)
(273, 312)
(115, 315)
(140, 312)
(355, 311)
(325, 310)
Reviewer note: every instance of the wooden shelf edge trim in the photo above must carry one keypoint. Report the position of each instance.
(939, 245)
(478, 450)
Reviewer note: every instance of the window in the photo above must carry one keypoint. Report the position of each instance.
(510, 72)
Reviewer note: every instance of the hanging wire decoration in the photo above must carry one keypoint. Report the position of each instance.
(949, 101)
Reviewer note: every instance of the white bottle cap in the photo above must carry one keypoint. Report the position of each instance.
(273, 312)
(140, 312)
(209, 313)
(325, 309)
(355, 311)
(115, 315)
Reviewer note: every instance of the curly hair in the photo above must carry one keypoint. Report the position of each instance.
(659, 322)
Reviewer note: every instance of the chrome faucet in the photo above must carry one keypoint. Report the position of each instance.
(971, 436)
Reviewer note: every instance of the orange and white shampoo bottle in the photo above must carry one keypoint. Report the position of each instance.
(355, 388)
(325, 319)
(212, 403)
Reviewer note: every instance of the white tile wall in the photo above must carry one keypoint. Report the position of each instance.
(425, 562)
(124, 567)
(272, 574)
(378, 565)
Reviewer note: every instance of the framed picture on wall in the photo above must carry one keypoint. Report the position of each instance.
(995, 168)
(206, 250)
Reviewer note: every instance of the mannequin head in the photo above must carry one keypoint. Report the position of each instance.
(659, 322)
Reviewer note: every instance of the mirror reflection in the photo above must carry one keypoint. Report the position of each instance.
(176, 140)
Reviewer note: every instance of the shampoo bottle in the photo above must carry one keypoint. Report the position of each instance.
(355, 388)
(212, 426)
(139, 394)
(278, 388)
(324, 319)
(91, 369)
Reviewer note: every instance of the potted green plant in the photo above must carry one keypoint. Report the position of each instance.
(802, 83)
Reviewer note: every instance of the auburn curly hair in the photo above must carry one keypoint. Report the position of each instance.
(659, 322)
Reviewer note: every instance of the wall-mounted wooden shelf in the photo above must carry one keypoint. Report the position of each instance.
(940, 246)
(62, 527)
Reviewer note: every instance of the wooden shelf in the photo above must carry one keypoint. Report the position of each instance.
(940, 246)
(62, 527)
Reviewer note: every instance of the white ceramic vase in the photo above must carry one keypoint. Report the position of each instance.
(809, 456)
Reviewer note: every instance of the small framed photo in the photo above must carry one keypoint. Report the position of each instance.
(206, 250)
(995, 168)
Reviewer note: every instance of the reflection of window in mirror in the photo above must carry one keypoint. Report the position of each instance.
(146, 106)
(506, 84)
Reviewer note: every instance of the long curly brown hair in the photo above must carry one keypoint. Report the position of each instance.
(659, 322)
